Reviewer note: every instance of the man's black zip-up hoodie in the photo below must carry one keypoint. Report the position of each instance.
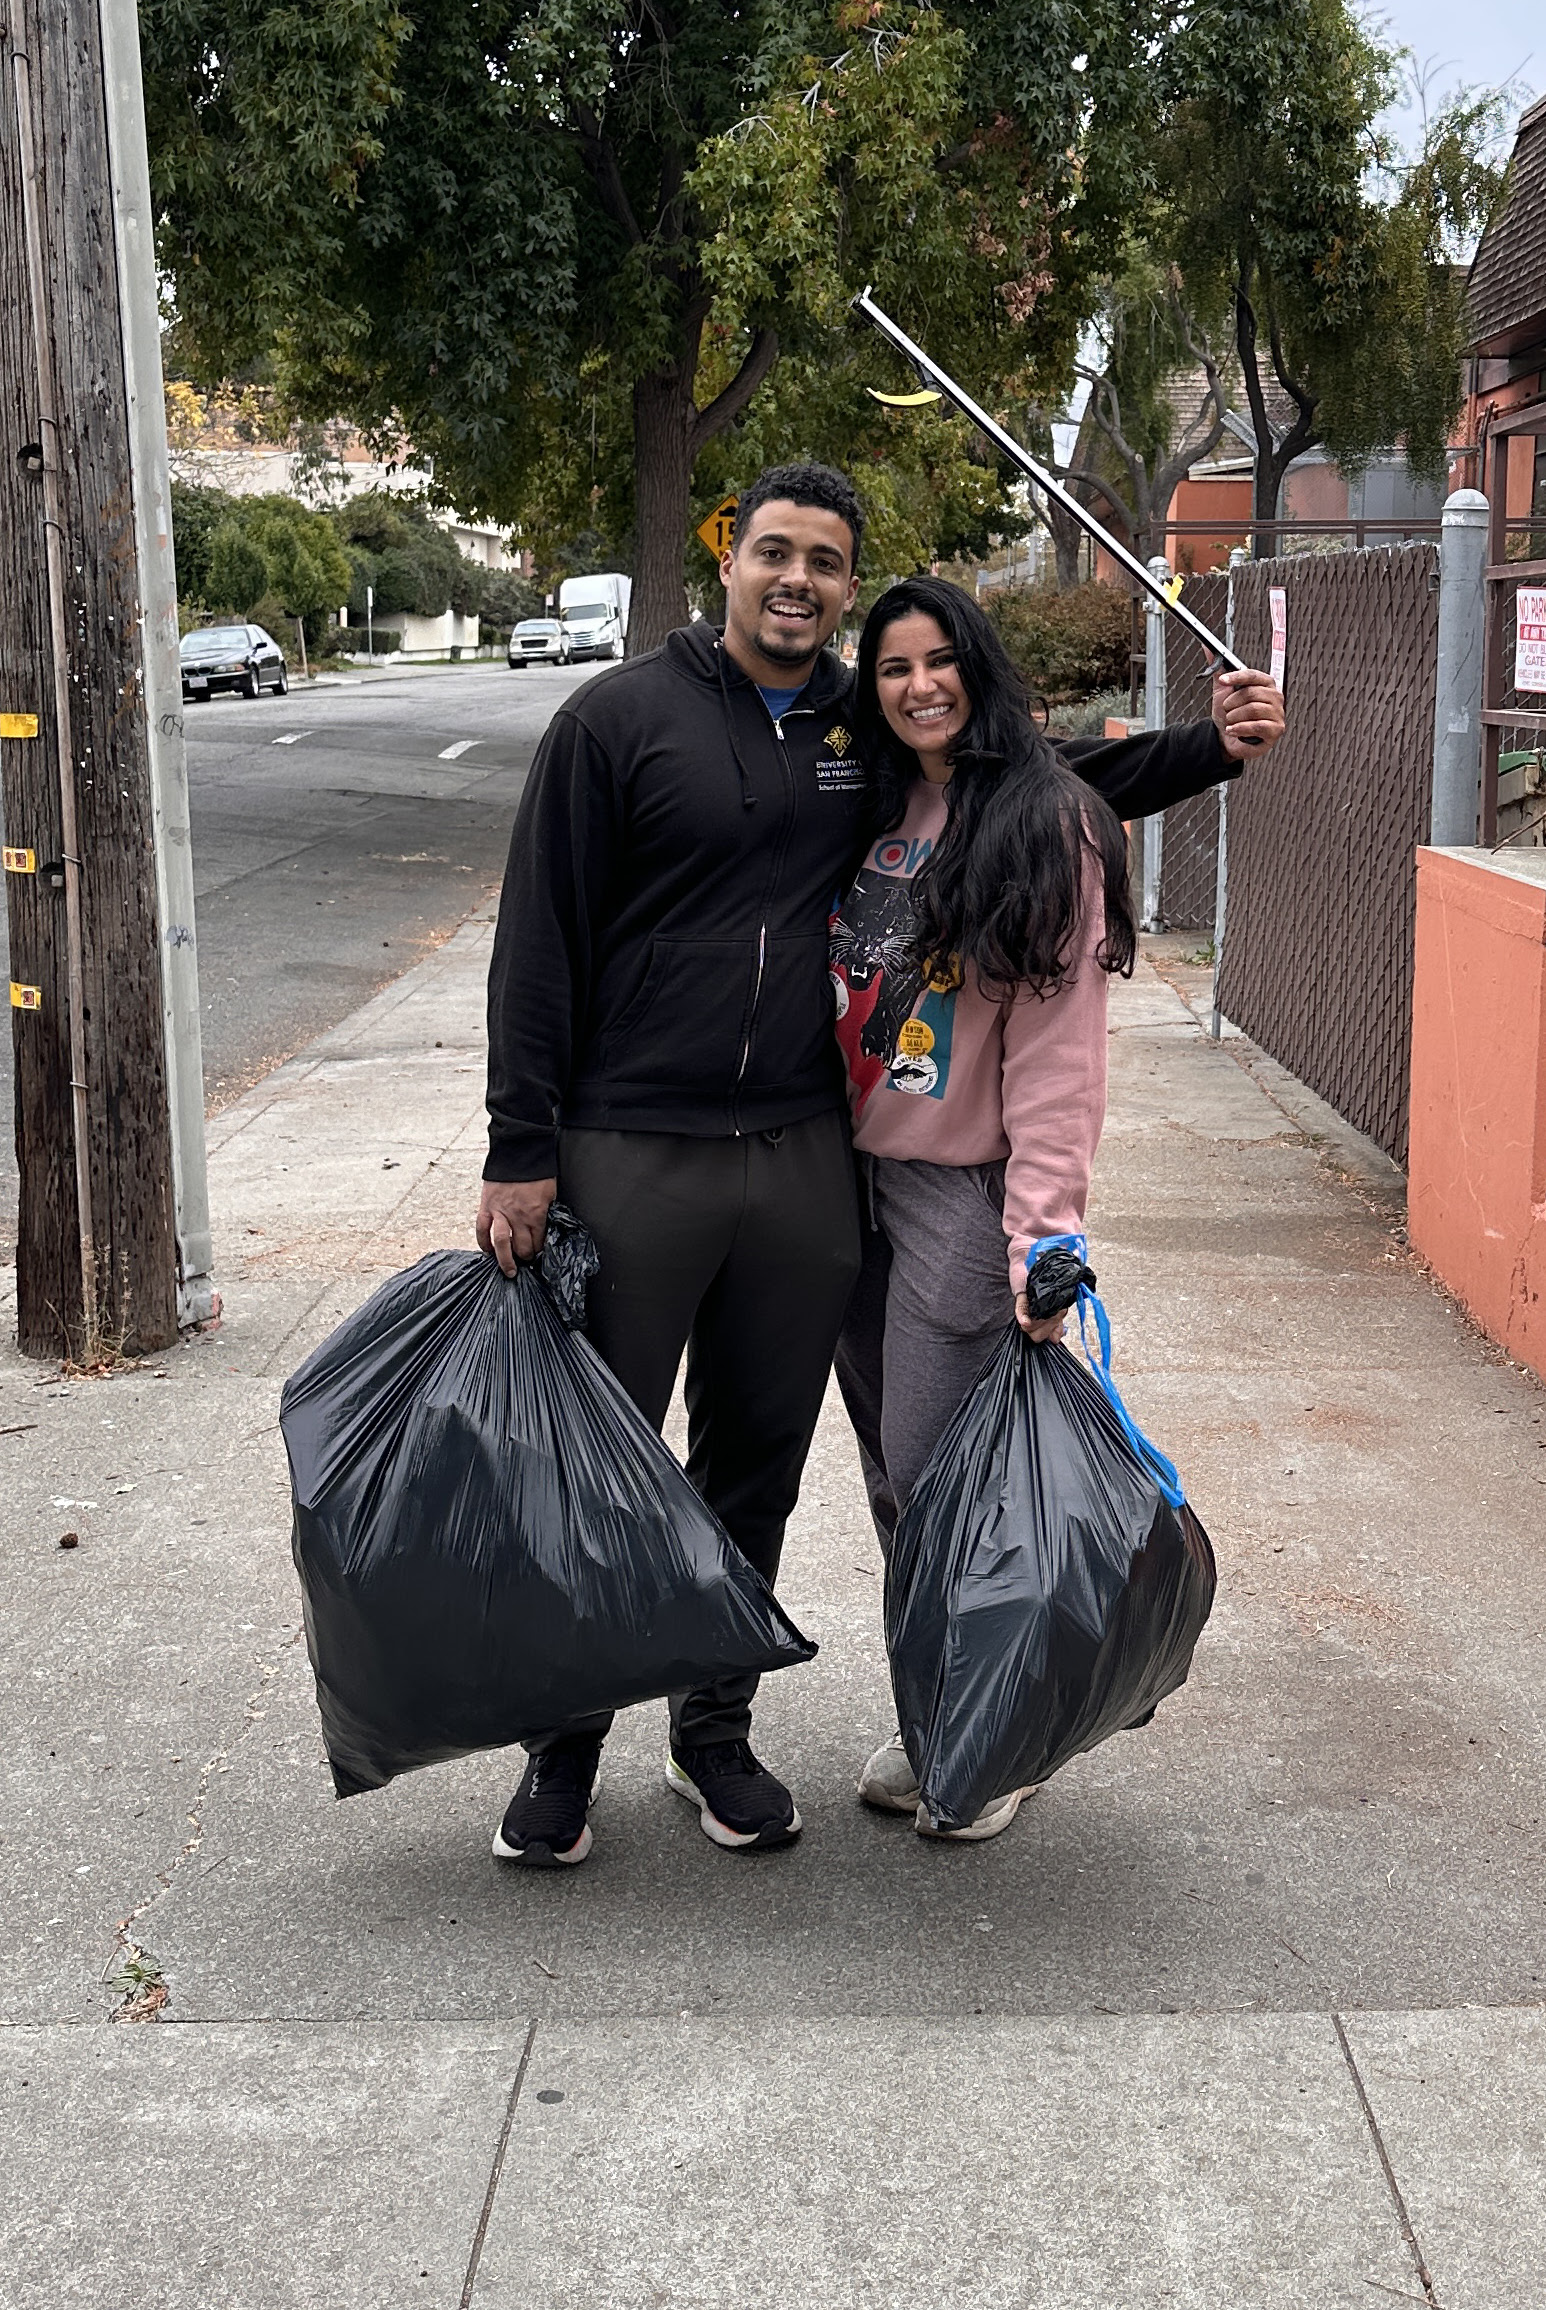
(660, 962)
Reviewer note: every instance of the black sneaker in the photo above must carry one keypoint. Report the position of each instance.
(739, 1801)
(545, 1824)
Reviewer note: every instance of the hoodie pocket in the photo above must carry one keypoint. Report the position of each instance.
(794, 1040)
(686, 1026)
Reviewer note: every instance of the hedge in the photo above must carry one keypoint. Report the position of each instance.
(1067, 645)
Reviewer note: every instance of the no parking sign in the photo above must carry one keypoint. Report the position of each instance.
(1530, 638)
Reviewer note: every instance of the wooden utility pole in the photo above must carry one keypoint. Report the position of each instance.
(113, 1235)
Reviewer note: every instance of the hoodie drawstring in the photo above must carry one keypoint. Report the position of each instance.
(748, 798)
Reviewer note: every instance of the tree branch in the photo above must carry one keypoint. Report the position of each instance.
(1308, 402)
(1265, 491)
(727, 406)
(607, 177)
(1176, 467)
(1088, 480)
(1109, 419)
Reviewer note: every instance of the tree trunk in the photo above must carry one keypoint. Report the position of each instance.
(129, 1136)
(663, 416)
(1066, 537)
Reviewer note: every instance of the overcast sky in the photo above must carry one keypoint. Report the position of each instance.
(1485, 43)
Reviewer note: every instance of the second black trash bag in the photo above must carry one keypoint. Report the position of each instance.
(491, 1538)
(1046, 1586)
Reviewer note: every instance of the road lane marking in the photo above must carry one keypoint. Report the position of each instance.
(462, 746)
(292, 737)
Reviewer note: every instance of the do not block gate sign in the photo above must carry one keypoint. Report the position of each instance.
(1530, 639)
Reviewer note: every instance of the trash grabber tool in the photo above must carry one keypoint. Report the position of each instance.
(936, 377)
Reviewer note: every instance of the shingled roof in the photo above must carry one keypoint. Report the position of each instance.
(1506, 293)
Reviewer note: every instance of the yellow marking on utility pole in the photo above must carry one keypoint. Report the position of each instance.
(26, 998)
(18, 725)
(21, 861)
(718, 531)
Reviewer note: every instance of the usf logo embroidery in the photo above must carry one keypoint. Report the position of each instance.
(836, 770)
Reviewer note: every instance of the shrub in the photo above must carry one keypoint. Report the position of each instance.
(406, 558)
(1087, 717)
(1066, 645)
(383, 639)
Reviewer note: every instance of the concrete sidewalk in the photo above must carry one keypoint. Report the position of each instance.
(1243, 2014)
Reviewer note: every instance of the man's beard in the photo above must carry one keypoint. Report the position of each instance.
(790, 649)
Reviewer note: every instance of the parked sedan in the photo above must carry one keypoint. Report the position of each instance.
(241, 658)
(539, 642)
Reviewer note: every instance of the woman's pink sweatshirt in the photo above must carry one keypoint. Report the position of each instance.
(946, 1073)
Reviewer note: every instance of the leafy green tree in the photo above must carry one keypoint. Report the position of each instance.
(393, 545)
(261, 117)
(197, 514)
(1131, 452)
(1296, 226)
(571, 239)
(508, 597)
(236, 571)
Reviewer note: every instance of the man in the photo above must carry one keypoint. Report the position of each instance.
(661, 1053)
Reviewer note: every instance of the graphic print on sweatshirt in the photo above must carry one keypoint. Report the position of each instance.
(893, 1019)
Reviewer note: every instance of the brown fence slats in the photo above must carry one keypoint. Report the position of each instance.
(1317, 964)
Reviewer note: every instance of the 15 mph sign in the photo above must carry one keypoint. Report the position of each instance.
(718, 529)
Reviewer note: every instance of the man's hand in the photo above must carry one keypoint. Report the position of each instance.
(513, 1219)
(1039, 1328)
(1247, 713)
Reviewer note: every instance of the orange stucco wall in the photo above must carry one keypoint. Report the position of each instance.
(1476, 1182)
(1226, 500)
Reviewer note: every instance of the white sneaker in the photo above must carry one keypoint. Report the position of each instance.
(992, 1821)
(888, 1781)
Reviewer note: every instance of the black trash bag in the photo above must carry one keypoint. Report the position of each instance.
(1046, 1585)
(491, 1538)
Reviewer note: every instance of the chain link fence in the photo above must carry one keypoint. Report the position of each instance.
(1317, 961)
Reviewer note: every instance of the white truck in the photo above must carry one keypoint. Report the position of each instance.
(593, 612)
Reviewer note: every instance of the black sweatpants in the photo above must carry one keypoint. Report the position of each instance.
(744, 1252)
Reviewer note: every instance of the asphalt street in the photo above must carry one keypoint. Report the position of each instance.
(338, 834)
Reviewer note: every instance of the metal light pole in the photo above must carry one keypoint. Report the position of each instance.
(1457, 704)
(1154, 716)
(1238, 557)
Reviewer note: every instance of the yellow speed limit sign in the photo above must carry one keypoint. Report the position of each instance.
(718, 532)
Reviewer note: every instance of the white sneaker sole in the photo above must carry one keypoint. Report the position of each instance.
(874, 1791)
(540, 1856)
(733, 1840)
(992, 1821)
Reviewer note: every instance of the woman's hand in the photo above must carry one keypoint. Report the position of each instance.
(1039, 1328)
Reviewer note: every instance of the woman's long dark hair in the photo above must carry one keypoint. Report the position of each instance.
(1002, 890)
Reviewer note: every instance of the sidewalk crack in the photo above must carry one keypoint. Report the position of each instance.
(495, 2171)
(130, 1966)
(1403, 2218)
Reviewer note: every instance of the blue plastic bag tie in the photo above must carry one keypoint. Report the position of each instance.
(1091, 1306)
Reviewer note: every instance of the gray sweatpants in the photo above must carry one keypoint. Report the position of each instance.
(929, 1308)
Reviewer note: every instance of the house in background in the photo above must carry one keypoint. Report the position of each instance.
(1506, 310)
(219, 444)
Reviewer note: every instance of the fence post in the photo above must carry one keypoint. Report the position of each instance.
(1238, 558)
(1457, 701)
(1154, 719)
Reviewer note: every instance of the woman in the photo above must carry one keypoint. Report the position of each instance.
(971, 961)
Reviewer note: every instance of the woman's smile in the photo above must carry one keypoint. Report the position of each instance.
(920, 690)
